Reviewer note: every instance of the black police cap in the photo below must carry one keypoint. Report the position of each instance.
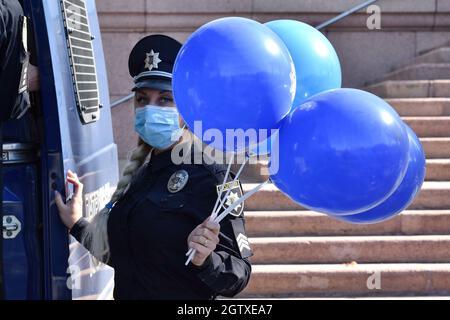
(151, 62)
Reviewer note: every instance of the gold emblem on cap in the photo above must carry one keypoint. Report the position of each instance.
(152, 60)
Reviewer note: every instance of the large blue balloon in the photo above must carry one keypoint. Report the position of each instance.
(316, 62)
(233, 73)
(342, 152)
(405, 193)
(265, 147)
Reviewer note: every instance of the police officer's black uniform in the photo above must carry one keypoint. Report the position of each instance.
(14, 98)
(149, 226)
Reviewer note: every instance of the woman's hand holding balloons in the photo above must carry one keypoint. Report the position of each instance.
(204, 239)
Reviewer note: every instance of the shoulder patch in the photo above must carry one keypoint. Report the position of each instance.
(241, 238)
(234, 190)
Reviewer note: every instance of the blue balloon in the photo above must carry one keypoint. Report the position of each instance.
(405, 193)
(316, 62)
(342, 152)
(265, 147)
(233, 73)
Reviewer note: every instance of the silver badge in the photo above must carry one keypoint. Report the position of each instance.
(177, 181)
(152, 60)
(234, 195)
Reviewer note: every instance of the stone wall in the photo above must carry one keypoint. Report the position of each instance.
(408, 27)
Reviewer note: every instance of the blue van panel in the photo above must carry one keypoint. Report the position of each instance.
(22, 255)
(64, 143)
(87, 149)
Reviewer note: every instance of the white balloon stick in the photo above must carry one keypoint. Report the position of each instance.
(231, 208)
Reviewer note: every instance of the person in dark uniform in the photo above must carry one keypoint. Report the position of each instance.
(161, 207)
(17, 76)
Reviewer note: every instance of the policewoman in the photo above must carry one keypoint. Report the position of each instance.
(160, 208)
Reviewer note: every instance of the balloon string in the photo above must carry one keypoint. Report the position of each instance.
(239, 201)
(223, 199)
(216, 205)
(231, 208)
(219, 195)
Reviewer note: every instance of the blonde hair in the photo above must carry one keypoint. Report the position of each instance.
(95, 237)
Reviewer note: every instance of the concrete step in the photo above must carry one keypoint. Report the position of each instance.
(323, 298)
(436, 147)
(411, 89)
(421, 71)
(439, 55)
(349, 280)
(429, 126)
(433, 195)
(311, 223)
(346, 249)
(414, 107)
(438, 170)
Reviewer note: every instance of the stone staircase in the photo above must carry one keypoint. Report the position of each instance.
(300, 253)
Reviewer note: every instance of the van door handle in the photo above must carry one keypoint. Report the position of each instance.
(11, 227)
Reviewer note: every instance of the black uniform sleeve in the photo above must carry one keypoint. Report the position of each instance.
(77, 232)
(78, 229)
(227, 270)
(80, 226)
(13, 62)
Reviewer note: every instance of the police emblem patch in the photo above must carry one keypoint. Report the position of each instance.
(234, 195)
(151, 61)
(177, 181)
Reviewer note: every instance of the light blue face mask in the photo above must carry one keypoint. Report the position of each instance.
(158, 126)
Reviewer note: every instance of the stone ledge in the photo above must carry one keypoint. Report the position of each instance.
(339, 6)
(176, 15)
(311, 223)
(120, 6)
(129, 22)
(344, 249)
(347, 280)
(279, 6)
